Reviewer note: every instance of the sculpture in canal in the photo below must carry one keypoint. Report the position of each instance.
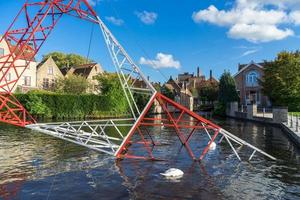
(123, 138)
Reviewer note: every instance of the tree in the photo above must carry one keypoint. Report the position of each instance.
(227, 91)
(72, 84)
(67, 60)
(281, 80)
(209, 91)
(167, 92)
(110, 87)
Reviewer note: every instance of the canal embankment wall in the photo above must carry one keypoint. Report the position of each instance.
(279, 116)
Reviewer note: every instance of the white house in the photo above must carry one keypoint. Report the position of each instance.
(28, 78)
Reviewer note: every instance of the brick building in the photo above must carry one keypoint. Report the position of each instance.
(247, 82)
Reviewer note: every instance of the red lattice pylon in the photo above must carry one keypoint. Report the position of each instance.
(174, 116)
(24, 40)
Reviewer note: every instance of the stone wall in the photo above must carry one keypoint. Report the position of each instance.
(280, 115)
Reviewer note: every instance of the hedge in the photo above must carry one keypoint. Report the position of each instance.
(62, 106)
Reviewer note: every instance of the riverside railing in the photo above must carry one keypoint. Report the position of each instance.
(294, 122)
(264, 112)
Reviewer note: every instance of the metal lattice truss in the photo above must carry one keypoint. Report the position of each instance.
(100, 135)
(24, 40)
(128, 72)
(123, 138)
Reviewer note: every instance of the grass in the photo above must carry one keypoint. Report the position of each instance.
(295, 114)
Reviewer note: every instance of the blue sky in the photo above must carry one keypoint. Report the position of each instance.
(178, 36)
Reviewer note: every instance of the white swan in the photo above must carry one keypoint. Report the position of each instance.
(172, 173)
(212, 146)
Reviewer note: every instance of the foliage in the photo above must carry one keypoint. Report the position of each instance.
(167, 92)
(111, 88)
(34, 104)
(227, 89)
(281, 80)
(62, 106)
(67, 60)
(72, 84)
(209, 91)
(295, 114)
(220, 109)
(141, 100)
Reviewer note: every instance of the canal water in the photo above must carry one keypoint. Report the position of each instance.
(36, 166)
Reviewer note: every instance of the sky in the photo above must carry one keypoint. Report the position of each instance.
(173, 36)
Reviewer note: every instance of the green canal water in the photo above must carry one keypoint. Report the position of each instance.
(36, 166)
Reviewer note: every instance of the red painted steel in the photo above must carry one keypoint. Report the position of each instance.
(24, 41)
(169, 107)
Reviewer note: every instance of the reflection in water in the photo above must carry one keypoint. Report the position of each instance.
(36, 166)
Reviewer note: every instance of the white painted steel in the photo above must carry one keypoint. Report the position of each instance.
(127, 70)
(92, 134)
(230, 136)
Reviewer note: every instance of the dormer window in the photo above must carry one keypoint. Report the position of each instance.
(252, 78)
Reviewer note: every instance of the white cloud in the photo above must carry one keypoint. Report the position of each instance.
(254, 20)
(115, 21)
(258, 32)
(295, 17)
(147, 17)
(249, 52)
(161, 61)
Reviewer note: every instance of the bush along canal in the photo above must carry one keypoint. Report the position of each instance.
(37, 166)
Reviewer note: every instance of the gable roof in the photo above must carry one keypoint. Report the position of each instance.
(43, 62)
(244, 67)
(174, 85)
(83, 70)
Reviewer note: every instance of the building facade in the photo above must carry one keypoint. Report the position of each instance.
(28, 77)
(47, 74)
(88, 71)
(247, 83)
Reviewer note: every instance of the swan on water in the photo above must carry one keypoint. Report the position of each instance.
(212, 146)
(173, 173)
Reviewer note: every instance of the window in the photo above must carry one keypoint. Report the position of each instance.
(8, 77)
(50, 70)
(27, 80)
(46, 83)
(52, 83)
(252, 78)
(1, 52)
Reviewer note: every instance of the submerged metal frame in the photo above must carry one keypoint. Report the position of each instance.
(94, 134)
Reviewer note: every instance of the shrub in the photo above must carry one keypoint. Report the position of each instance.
(59, 106)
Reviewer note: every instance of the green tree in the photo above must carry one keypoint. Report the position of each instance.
(281, 80)
(72, 84)
(111, 88)
(227, 91)
(209, 91)
(167, 92)
(67, 60)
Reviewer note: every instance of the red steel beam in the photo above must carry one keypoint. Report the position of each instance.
(170, 121)
(24, 42)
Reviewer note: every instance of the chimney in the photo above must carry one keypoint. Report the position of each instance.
(148, 78)
(198, 72)
(210, 74)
